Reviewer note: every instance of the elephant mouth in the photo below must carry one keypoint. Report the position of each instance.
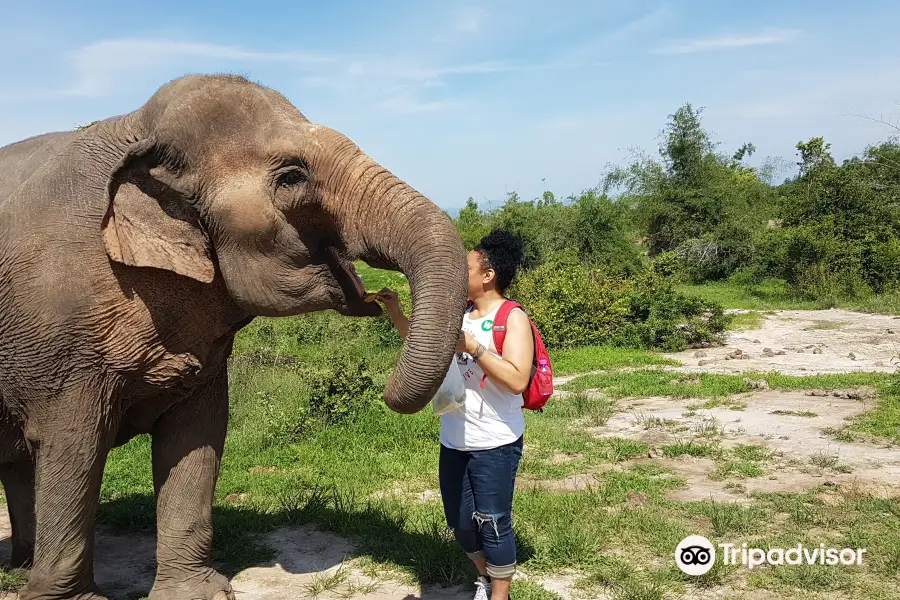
(351, 283)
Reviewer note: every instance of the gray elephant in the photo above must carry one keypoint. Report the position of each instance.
(132, 252)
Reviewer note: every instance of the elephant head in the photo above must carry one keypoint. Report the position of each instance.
(226, 178)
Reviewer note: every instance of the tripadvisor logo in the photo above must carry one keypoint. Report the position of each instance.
(695, 555)
(486, 326)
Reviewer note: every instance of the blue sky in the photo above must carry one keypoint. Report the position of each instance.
(479, 98)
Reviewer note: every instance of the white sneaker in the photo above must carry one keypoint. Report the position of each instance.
(482, 589)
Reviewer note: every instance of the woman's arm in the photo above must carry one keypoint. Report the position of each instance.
(392, 307)
(513, 370)
(391, 302)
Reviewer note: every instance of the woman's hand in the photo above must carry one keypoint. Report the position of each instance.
(390, 299)
(391, 302)
(466, 343)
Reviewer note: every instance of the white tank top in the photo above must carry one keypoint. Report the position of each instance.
(492, 416)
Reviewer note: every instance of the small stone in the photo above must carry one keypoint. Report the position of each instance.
(757, 342)
(779, 352)
(654, 453)
(637, 499)
(428, 495)
(235, 498)
(829, 484)
(860, 394)
(700, 354)
(768, 353)
(879, 363)
(703, 363)
(817, 351)
(728, 357)
(801, 351)
(767, 349)
(852, 356)
(745, 357)
(756, 384)
(890, 332)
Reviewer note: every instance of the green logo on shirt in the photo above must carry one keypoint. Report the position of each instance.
(486, 326)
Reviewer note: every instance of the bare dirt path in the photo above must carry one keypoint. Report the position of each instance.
(790, 425)
(813, 341)
(309, 564)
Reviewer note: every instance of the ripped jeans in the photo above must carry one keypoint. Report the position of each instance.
(477, 492)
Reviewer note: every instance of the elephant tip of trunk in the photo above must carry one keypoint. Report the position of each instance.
(405, 402)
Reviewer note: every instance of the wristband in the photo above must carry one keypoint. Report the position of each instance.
(479, 350)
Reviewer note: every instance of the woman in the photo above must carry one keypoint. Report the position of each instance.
(481, 444)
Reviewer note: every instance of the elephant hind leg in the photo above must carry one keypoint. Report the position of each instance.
(18, 482)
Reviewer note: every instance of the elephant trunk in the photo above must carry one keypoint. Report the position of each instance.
(390, 225)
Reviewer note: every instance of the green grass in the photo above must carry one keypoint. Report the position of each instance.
(599, 358)
(333, 477)
(10, 581)
(653, 382)
(746, 321)
(773, 294)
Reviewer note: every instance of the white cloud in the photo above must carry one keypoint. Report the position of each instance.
(103, 66)
(471, 19)
(637, 26)
(407, 103)
(621, 35)
(764, 38)
(823, 94)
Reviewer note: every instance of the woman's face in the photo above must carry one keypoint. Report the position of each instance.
(478, 276)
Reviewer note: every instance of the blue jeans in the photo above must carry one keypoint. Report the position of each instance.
(477, 492)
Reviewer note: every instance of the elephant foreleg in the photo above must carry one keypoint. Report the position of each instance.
(188, 441)
(18, 482)
(72, 437)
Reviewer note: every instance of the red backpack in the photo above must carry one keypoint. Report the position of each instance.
(540, 385)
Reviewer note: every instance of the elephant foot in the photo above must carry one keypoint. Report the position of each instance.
(212, 586)
(36, 589)
(26, 594)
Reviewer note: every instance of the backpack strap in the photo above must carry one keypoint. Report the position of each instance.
(500, 323)
(499, 328)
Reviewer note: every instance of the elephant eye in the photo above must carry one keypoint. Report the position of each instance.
(291, 178)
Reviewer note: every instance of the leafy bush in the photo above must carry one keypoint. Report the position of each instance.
(573, 304)
(577, 305)
(661, 318)
(343, 392)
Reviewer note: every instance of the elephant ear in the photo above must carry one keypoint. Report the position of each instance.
(149, 222)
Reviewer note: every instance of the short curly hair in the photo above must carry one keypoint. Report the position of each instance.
(503, 251)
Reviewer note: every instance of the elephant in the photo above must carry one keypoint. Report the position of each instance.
(132, 252)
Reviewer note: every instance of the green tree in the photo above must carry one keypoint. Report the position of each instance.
(472, 224)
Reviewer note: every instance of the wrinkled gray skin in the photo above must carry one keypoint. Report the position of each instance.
(132, 252)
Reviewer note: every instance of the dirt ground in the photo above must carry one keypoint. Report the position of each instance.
(798, 343)
(813, 342)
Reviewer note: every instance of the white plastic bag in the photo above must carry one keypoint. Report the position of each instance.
(452, 393)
